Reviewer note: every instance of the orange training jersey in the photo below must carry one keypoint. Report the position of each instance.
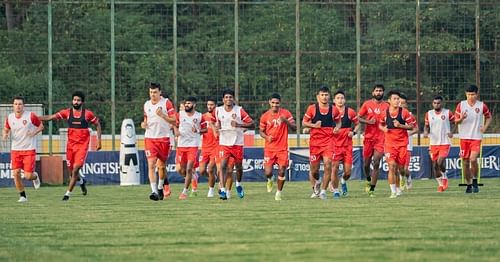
(397, 136)
(209, 140)
(320, 136)
(342, 137)
(273, 126)
(371, 109)
(78, 135)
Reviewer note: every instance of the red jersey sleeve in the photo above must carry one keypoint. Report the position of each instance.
(63, 114)
(451, 116)
(263, 121)
(90, 116)
(336, 114)
(245, 117)
(35, 120)
(458, 110)
(289, 116)
(353, 116)
(382, 117)
(363, 110)
(170, 108)
(310, 112)
(6, 125)
(204, 121)
(408, 117)
(486, 111)
(177, 121)
(426, 118)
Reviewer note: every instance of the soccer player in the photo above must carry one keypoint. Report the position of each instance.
(438, 129)
(189, 123)
(395, 123)
(231, 120)
(273, 127)
(319, 118)
(78, 119)
(373, 143)
(209, 145)
(470, 114)
(23, 126)
(405, 180)
(342, 151)
(159, 113)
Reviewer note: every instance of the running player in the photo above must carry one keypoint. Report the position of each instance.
(23, 126)
(343, 143)
(469, 115)
(405, 180)
(319, 118)
(395, 123)
(209, 146)
(231, 120)
(159, 112)
(273, 127)
(438, 129)
(189, 123)
(78, 119)
(373, 143)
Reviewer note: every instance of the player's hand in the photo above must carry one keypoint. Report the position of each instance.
(350, 134)
(284, 119)
(144, 124)
(317, 124)
(306, 130)
(463, 115)
(194, 129)
(371, 121)
(482, 129)
(336, 130)
(98, 147)
(450, 135)
(234, 124)
(385, 129)
(5, 136)
(159, 112)
(269, 139)
(426, 135)
(396, 123)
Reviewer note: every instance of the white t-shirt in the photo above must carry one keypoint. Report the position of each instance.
(188, 138)
(158, 127)
(229, 135)
(19, 128)
(439, 126)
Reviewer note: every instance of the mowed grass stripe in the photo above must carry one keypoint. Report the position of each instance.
(121, 223)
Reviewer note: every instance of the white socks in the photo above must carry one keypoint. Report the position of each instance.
(154, 188)
(393, 188)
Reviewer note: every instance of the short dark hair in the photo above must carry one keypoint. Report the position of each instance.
(393, 92)
(79, 94)
(212, 99)
(191, 99)
(378, 86)
(154, 85)
(275, 96)
(472, 88)
(401, 95)
(18, 98)
(323, 88)
(228, 92)
(438, 97)
(339, 92)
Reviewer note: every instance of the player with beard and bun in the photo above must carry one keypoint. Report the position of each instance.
(77, 146)
(373, 143)
(438, 129)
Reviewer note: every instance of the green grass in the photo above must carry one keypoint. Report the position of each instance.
(122, 224)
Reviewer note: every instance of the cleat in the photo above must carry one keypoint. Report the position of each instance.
(399, 192)
(277, 197)
(322, 195)
(22, 200)
(269, 186)
(183, 196)
(440, 189)
(194, 183)
(240, 191)
(160, 194)
(314, 195)
(445, 183)
(65, 198)
(210, 193)
(469, 189)
(367, 186)
(344, 189)
(228, 194)
(475, 189)
(393, 195)
(371, 193)
(402, 182)
(193, 194)
(222, 195)
(336, 195)
(154, 196)
(36, 182)
(166, 191)
(316, 188)
(409, 185)
(83, 186)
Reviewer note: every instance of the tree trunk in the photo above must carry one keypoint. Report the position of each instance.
(9, 15)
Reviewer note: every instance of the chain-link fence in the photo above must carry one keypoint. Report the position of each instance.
(112, 49)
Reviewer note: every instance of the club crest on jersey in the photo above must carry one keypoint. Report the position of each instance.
(24, 122)
(443, 117)
(195, 120)
(233, 116)
(477, 110)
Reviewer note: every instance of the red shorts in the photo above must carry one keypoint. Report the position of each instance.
(183, 155)
(469, 145)
(408, 158)
(157, 148)
(343, 154)
(235, 152)
(372, 144)
(316, 153)
(398, 154)
(437, 151)
(207, 155)
(76, 155)
(23, 159)
(276, 157)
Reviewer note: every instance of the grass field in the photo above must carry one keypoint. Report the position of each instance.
(117, 223)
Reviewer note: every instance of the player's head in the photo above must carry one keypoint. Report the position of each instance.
(339, 98)
(154, 91)
(323, 94)
(402, 100)
(378, 91)
(18, 104)
(228, 97)
(78, 99)
(437, 103)
(393, 97)
(471, 93)
(211, 104)
(275, 102)
(190, 104)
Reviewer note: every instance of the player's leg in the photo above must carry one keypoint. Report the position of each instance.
(327, 165)
(19, 185)
(229, 175)
(441, 170)
(345, 177)
(474, 169)
(282, 161)
(335, 178)
(377, 157)
(223, 158)
(238, 163)
(391, 177)
(368, 151)
(314, 176)
(269, 160)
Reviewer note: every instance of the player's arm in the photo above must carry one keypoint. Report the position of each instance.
(99, 132)
(289, 122)
(459, 115)
(262, 133)
(6, 130)
(247, 121)
(361, 116)
(488, 118)
(49, 117)
(427, 127)
(203, 125)
(307, 120)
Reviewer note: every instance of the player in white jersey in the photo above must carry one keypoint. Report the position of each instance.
(231, 120)
(23, 126)
(189, 123)
(405, 180)
(159, 112)
(470, 114)
(438, 129)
